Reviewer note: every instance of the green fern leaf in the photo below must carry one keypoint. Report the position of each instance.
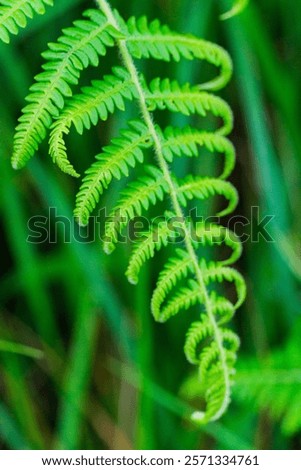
(214, 272)
(148, 244)
(14, 14)
(79, 47)
(175, 270)
(186, 99)
(135, 199)
(185, 298)
(217, 235)
(154, 40)
(185, 142)
(187, 279)
(272, 385)
(86, 109)
(114, 162)
(210, 365)
(203, 188)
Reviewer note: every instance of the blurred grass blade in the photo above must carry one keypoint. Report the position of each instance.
(270, 181)
(10, 431)
(25, 254)
(89, 259)
(237, 8)
(21, 400)
(15, 348)
(78, 374)
(293, 257)
(283, 88)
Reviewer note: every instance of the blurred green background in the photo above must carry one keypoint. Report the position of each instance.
(110, 378)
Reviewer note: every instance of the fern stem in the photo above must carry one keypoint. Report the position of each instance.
(130, 66)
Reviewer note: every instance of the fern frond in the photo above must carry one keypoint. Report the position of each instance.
(215, 272)
(188, 296)
(203, 188)
(222, 308)
(146, 40)
(14, 15)
(185, 298)
(115, 161)
(198, 332)
(201, 349)
(135, 199)
(212, 234)
(79, 47)
(166, 229)
(273, 384)
(185, 142)
(145, 248)
(208, 359)
(175, 270)
(186, 280)
(273, 387)
(186, 99)
(86, 109)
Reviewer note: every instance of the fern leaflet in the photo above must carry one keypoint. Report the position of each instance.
(79, 47)
(14, 14)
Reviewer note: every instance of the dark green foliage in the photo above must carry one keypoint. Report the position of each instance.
(272, 384)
